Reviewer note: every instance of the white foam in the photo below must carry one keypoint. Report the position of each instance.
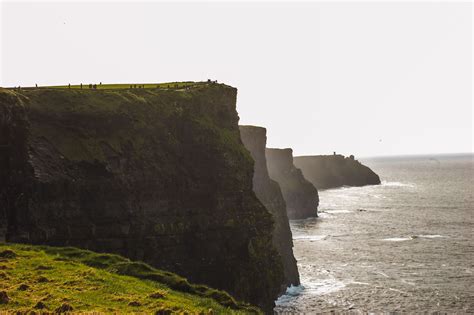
(338, 211)
(401, 239)
(430, 236)
(310, 237)
(358, 282)
(397, 184)
(291, 293)
(294, 290)
(397, 239)
(399, 291)
(312, 287)
(323, 287)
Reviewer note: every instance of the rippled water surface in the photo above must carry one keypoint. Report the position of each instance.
(406, 245)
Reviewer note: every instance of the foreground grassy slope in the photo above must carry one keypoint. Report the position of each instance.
(64, 279)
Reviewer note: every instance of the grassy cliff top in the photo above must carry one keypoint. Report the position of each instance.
(41, 278)
(119, 86)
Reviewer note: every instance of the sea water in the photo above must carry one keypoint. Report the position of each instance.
(403, 246)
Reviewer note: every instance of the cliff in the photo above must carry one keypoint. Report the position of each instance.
(44, 279)
(155, 175)
(330, 171)
(269, 193)
(301, 196)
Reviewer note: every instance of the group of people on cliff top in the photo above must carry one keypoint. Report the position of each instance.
(132, 86)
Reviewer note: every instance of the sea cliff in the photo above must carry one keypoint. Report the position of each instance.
(269, 193)
(300, 195)
(331, 171)
(156, 175)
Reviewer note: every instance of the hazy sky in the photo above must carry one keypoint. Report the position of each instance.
(361, 78)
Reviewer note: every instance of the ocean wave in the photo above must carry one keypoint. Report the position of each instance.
(310, 237)
(294, 290)
(431, 236)
(401, 239)
(397, 239)
(359, 282)
(337, 211)
(323, 286)
(291, 293)
(310, 286)
(397, 184)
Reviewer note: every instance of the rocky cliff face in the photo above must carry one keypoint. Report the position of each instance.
(269, 193)
(330, 171)
(155, 175)
(301, 196)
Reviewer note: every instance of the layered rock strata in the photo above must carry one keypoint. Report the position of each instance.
(269, 193)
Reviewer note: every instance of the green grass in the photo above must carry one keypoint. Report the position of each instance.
(45, 278)
(85, 86)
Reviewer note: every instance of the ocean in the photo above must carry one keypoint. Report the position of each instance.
(403, 246)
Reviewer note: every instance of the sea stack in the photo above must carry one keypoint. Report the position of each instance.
(157, 175)
(300, 195)
(269, 193)
(331, 171)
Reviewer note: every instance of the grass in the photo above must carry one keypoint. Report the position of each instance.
(41, 278)
(85, 86)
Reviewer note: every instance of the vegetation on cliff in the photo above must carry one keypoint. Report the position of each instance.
(41, 278)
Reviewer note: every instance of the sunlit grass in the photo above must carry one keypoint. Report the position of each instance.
(48, 278)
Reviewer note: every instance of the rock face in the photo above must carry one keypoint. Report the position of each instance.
(301, 196)
(154, 175)
(269, 193)
(330, 171)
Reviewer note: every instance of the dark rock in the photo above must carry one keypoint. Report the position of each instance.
(65, 307)
(159, 176)
(157, 295)
(42, 279)
(9, 254)
(23, 287)
(269, 193)
(41, 267)
(135, 303)
(40, 305)
(300, 195)
(164, 311)
(3, 276)
(4, 299)
(331, 171)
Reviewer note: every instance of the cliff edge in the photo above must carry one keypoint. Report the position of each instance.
(331, 171)
(301, 196)
(155, 175)
(269, 193)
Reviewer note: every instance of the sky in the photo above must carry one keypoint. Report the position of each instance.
(362, 78)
